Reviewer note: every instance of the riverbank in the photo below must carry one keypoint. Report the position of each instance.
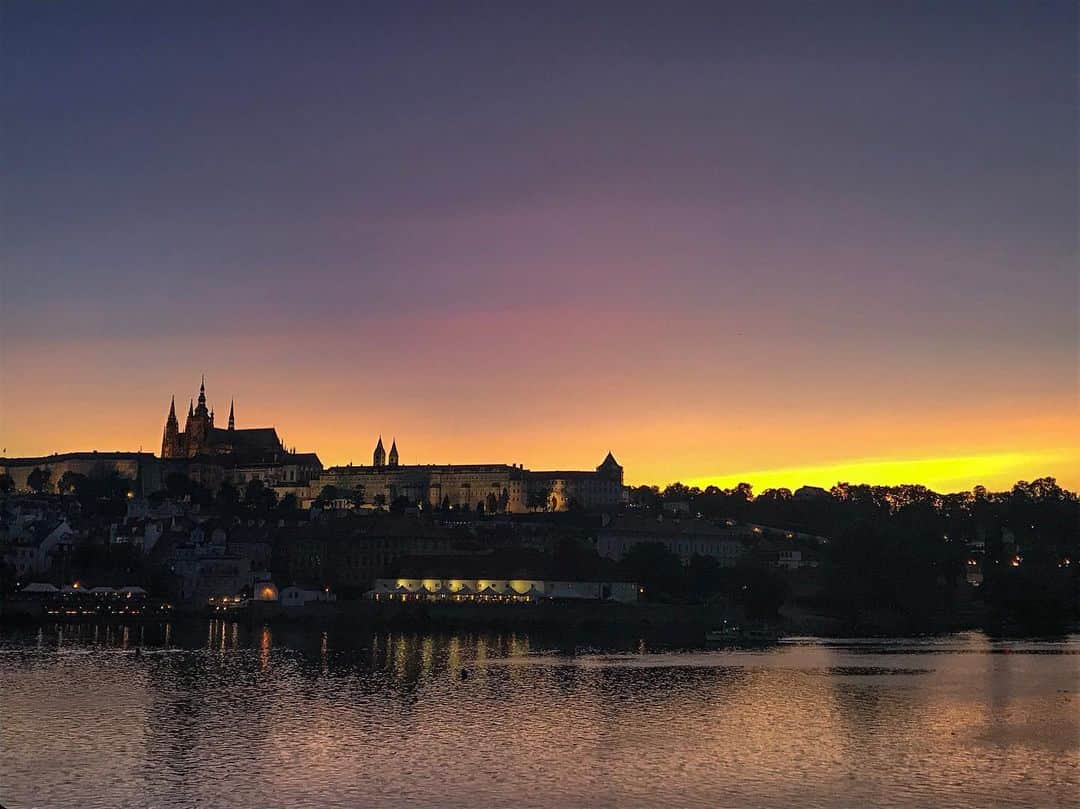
(674, 622)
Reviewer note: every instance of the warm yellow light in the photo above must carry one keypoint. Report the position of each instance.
(950, 473)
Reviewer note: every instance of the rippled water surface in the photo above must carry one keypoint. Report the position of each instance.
(223, 715)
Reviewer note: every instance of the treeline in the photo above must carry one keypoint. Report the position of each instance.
(907, 550)
(1040, 516)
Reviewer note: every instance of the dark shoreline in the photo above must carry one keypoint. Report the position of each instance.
(670, 622)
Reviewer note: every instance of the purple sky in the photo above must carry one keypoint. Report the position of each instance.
(687, 217)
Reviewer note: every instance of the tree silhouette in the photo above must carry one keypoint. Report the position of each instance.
(657, 569)
(38, 479)
(70, 483)
(328, 495)
(227, 499)
(539, 497)
(259, 497)
(289, 507)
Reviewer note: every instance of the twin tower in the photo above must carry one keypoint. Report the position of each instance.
(380, 459)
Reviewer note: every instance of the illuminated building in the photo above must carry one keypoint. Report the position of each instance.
(491, 488)
(502, 591)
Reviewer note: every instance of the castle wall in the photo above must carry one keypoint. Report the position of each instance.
(141, 467)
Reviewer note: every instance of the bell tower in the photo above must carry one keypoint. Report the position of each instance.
(379, 456)
(199, 424)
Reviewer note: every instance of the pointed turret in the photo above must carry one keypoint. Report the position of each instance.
(201, 408)
(232, 417)
(200, 424)
(393, 453)
(379, 457)
(170, 442)
(610, 467)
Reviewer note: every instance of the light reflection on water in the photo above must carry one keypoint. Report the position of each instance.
(230, 715)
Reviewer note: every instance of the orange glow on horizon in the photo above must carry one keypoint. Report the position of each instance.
(996, 471)
(746, 421)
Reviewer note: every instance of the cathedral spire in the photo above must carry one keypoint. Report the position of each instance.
(202, 413)
(379, 457)
(170, 442)
(232, 418)
(393, 453)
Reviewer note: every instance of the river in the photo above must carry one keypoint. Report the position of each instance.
(225, 715)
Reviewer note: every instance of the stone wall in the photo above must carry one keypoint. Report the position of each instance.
(142, 468)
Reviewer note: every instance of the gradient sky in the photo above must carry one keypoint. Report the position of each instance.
(779, 242)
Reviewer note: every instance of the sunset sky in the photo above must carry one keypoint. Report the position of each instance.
(725, 241)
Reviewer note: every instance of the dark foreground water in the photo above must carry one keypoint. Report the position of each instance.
(223, 716)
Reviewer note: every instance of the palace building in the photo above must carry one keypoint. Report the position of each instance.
(494, 487)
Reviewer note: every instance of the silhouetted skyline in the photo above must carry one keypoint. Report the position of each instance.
(777, 244)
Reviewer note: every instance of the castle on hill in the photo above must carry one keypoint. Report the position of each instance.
(212, 455)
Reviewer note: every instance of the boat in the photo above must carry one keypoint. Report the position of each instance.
(734, 634)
